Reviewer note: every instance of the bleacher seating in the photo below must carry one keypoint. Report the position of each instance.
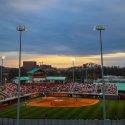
(9, 90)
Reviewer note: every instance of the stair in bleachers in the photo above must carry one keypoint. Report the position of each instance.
(73, 87)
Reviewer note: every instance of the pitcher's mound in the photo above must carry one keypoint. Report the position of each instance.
(62, 102)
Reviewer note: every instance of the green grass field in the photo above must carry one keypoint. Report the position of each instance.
(115, 110)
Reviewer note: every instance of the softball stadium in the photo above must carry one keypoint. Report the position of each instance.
(61, 103)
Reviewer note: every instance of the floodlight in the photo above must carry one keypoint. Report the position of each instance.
(21, 28)
(100, 27)
(3, 57)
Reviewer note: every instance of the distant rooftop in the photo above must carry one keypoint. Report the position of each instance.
(24, 78)
(34, 70)
(56, 78)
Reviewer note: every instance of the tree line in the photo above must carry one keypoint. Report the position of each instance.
(86, 71)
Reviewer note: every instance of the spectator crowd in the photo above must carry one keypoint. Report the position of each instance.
(9, 90)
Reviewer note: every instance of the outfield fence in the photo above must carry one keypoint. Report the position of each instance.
(8, 121)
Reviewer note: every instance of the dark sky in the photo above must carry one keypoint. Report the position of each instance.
(62, 27)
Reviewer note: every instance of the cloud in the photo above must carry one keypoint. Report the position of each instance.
(54, 60)
(118, 7)
(63, 60)
(62, 27)
(30, 5)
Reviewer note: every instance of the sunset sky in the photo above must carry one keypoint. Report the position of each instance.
(60, 30)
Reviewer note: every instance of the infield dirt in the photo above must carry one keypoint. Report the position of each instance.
(62, 102)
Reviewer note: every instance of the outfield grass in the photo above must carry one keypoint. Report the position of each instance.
(115, 110)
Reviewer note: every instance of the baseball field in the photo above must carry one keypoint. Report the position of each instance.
(115, 109)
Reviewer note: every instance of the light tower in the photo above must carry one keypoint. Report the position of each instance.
(20, 29)
(73, 71)
(100, 28)
(2, 60)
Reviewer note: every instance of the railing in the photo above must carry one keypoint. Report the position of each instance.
(7, 121)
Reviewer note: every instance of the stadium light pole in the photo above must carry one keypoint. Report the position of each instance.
(73, 72)
(20, 29)
(100, 28)
(2, 58)
(86, 70)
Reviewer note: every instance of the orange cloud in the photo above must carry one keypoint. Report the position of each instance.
(62, 60)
